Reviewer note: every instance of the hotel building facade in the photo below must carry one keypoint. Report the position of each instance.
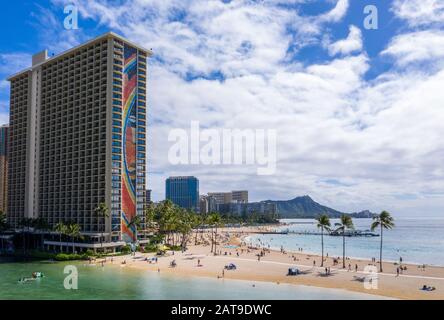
(183, 191)
(4, 129)
(78, 138)
(237, 196)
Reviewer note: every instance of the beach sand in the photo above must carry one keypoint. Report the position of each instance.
(273, 267)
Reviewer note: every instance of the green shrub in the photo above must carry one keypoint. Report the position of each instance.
(126, 249)
(89, 253)
(150, 248)
(71, 256)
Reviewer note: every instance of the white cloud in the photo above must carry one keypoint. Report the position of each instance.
(420, 12)
(337, 13)
(417, 47)
(11, 63)
(353, 43)
(379, 139)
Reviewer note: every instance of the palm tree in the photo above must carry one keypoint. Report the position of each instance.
(43, 226)
(185, 225)
(150, 216)
(346, 223)
(101, 211)
(166, 213)
(61, 229)
(136, 221)
(323, 224)
(73, 231)
(3, 221)
(3, 224)
(385, 221)
(25, 224)
(215, 221)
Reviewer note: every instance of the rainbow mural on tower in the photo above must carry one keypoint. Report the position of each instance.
(129, 144)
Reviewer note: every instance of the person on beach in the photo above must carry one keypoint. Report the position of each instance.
(314, 263)
(356, 267)
(397, 272)
(349, 267)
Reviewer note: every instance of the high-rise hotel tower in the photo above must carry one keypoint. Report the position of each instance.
(78, 138)
(4, 167)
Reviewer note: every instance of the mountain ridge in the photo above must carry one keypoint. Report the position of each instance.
(306, 207)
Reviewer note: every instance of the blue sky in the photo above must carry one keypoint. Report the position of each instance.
(358, 112)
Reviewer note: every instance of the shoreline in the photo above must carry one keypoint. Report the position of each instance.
(273, 267)
(413, 263)
(392, 260)
(172, 275)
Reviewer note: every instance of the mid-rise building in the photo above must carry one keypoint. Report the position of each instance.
(4, 167)
(221, 197)
(240, 196)
(78, 138)
(183, 191)
(246, 209)
(208, 204)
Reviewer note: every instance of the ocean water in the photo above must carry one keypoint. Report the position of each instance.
(419, 241)
(114, 282)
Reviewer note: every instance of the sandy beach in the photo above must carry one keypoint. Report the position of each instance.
(273, 267)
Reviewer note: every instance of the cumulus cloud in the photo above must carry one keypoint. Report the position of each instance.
(352, 44)
(350, 142)
(338, 12)
(11, 63)
(420, 12)
(417, 47)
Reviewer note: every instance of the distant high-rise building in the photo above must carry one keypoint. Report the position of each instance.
(4, 129)
(148, 196)
(221, 197)
(183, 191)
(78, 138)
(230, 197)
(208, 204)
(240, 196)
(241, 208)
